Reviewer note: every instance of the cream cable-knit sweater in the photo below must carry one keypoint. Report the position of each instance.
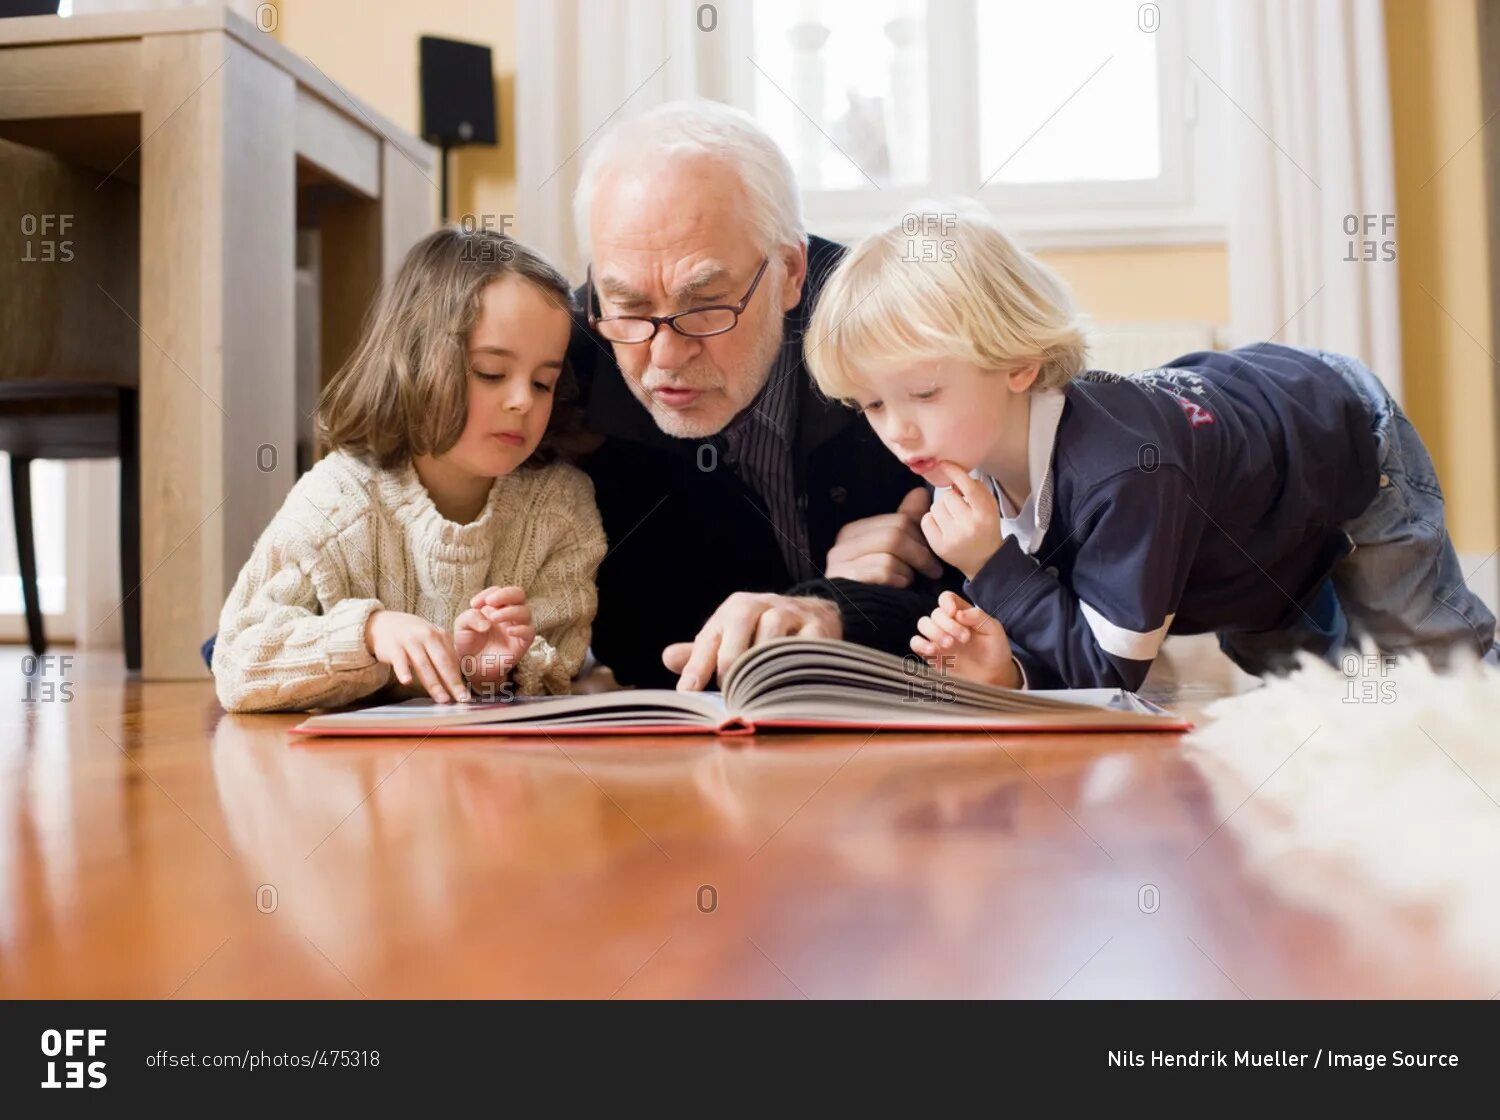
(352, 538)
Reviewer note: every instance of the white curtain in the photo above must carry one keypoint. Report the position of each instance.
(1310, 161)
(586, 64)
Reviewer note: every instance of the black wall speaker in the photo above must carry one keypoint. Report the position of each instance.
(10, 8)
(458, 93)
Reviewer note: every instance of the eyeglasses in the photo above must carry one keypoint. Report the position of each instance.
(697, 322)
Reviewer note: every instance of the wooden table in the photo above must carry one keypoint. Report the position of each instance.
(151, 846)
(228, 136)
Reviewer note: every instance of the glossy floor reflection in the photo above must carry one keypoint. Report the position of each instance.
(151, 846)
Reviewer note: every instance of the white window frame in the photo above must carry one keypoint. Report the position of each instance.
(1185, 205)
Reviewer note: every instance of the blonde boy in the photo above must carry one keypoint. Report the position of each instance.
(1274, 495)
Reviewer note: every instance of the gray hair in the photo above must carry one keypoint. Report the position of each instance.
(703, 128)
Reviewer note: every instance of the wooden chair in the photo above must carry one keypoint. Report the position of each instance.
(69, 347)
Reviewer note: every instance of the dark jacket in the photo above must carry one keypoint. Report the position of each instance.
(681, 539)
(1204, 496)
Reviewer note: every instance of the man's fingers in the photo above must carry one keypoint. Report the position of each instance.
(700, 666)
(774, 623)
(915, 504)
(739, 635)
(902, 543)
(675, 656)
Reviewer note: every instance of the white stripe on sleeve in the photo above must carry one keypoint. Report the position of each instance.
(1131, 644)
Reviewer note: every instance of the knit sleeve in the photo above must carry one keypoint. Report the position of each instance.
(563, 596)
(278, 648)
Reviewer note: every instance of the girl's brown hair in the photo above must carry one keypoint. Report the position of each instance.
(405, 389)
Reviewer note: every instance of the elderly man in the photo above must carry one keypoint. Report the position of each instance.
(740, 505)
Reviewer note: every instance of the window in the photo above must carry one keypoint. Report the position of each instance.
(1079, 120)
(48, 489)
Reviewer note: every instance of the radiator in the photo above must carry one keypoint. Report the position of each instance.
(1132, 347)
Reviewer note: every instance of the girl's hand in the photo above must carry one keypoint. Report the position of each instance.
(414, 647)
(493, 635)
(963, 526)
(960, 638)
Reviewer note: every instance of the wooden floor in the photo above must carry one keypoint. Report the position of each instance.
(151, 846)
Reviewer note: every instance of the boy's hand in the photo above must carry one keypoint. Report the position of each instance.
(414, 647)
(493, 635)
(959, 637)
(963, 526)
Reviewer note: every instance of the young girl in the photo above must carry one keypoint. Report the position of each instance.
(1273, 495)
(440, 542)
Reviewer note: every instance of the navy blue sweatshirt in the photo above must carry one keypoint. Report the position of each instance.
(1204, 496)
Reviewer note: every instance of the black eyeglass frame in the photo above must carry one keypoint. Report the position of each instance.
(659, 321)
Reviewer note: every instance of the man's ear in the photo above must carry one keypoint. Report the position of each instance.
(794, 259)
(1020, 380)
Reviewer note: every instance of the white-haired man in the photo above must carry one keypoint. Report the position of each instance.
(740, 505)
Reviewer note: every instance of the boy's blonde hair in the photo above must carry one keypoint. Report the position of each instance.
(945, 281)
(405, 389)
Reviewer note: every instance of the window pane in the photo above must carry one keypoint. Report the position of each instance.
(48, 498)
(859, 71)
(1033, 58)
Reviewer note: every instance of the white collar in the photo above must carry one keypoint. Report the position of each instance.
(1031, 521)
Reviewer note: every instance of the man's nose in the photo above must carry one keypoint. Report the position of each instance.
(670, 350)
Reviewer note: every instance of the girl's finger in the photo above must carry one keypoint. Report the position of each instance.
(472, 620)
(421, 665)
(511, 615)
(502, 596)
(401, 668)
(445, 661)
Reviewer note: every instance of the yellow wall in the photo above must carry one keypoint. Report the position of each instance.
(1188, 283)
(1443, 246)
(369, 47)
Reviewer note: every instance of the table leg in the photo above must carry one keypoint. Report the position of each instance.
(217, 397)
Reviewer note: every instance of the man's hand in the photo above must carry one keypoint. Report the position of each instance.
(960, 638)
(746, 619)
(963, 526)
(887, 549)
(493, 635)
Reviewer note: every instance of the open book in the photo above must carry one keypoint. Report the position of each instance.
(791, 683)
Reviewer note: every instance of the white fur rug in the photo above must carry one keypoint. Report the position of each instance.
(1380, 792)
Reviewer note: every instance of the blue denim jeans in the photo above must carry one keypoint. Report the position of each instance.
(1401, 588)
